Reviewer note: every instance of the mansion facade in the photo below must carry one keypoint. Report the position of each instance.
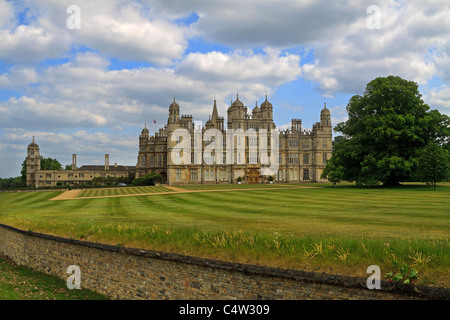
(298, 155)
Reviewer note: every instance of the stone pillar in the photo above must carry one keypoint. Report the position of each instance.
(106, 161)
(74, 162)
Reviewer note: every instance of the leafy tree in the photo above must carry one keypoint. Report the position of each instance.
(10, 183)
(384, 132)
(434, 164)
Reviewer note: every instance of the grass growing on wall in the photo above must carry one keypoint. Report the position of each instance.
(332, 229)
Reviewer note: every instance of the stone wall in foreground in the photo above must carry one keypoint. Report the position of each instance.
(124, 273)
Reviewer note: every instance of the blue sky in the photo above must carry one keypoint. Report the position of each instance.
(90, 90)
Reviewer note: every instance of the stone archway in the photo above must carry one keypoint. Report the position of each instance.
(253, 176)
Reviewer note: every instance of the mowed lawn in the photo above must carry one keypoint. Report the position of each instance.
(104, 192)
(341, 229)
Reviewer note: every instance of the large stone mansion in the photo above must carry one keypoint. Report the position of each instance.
(301, 154)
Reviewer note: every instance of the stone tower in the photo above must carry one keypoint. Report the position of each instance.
(174, 116)
(33, 163)
(325, 118)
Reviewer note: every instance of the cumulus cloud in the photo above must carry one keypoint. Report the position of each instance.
(439, 98)
(409, 31)
(247, 24)
(84, 93)
(270, 68)
(18, 77)
(118, 28)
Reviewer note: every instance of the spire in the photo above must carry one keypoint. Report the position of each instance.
(215, 114)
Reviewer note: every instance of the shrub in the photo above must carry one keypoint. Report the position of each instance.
(148, 180)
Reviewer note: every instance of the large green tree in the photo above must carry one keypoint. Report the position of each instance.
(385, 132)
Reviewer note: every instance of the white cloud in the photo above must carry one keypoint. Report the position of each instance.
(439, 98)
(26, 112)
(84, 93)
(270, 68)
(18, 77)
(119, 29)
(409, 30)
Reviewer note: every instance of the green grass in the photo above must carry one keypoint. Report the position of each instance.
(341, 229)
(120, 191)
(20, 283)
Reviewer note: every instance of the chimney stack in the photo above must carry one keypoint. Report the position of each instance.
(74, 162)
(106, 161)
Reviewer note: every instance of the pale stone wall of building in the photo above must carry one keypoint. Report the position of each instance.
(123, 273)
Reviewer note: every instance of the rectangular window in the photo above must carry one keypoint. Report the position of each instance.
(194, 175)
(253, 157)
(305, 174)
(324, 142)
(306, 158)
(159, 160)
(209, 175)
(253, 141)
(293, 142)
(293, 158)
(178, 174)
(324, 158)
(48, 175)
(81, 175)
(142, 161)
(152, 161)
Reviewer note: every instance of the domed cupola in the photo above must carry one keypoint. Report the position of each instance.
(325, 110)
(33, 145)
(174, 106)
(325, 117)
(145, 133)
(174, 112)
(266, 104)
(237, 103)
